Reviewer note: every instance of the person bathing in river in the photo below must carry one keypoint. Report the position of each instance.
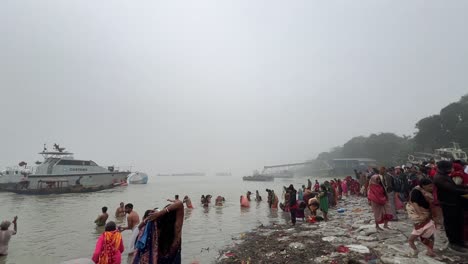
(132, 224)
(102, 218)
(163, 244)
(219, 201)
(208, 198)
(272, 199)
(244, 201)
(188, 202)
(176, 198)
(202, 200)
(258, 198)
(378, 200)
(109, 246)
(419, 209)
(120, 212)
(248, 195)
(5, 235)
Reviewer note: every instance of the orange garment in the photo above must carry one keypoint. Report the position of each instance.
(109, 248)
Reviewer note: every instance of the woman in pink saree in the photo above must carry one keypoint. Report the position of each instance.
(109, 246)
(379, 202)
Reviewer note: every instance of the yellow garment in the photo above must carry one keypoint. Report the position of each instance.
(111, 243)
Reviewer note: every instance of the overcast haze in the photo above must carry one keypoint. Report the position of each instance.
(174, 86)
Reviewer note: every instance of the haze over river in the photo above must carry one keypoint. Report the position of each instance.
(55, 228)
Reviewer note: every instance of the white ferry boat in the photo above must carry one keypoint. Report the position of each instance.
(61, 165)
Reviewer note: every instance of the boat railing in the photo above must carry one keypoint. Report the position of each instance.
(16, 170)
(119, 168)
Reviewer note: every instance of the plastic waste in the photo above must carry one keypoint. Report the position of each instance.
(342, 249)
(359, 249)
(341, 210)
(229, 254)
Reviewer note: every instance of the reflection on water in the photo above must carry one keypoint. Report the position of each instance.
(61, 227)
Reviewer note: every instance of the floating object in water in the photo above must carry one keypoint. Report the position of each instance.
(137, 178)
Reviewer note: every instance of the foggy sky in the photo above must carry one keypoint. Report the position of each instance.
(174, 86)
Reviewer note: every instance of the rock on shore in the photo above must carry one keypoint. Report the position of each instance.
(349, 237)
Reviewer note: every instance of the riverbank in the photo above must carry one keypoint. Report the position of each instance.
(349, 237)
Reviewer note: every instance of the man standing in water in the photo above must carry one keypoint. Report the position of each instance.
(5, 235)
(120, 212)
(176, 199)
(132, 224)
(102, 218)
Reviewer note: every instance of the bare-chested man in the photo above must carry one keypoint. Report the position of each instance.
(132, 224)
(176, 199)
(120, 212)
(102, 218)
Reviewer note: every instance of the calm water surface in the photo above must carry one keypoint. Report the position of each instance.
(55, 228)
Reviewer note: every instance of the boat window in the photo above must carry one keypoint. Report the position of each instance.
(76, 163)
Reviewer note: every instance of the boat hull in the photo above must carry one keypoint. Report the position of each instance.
(83, 179)
(49, 191)
(262, 178)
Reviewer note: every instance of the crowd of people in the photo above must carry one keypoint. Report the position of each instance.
(433, 196)
(156, 237)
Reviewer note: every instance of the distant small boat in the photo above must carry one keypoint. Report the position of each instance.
(138, 178)
(258, 177)
(223, 174)
(189, 174)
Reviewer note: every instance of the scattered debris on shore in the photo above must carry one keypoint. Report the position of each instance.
(349, 237)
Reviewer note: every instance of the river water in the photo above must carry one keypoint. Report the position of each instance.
(55, 228)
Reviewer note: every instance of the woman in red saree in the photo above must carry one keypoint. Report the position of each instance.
(109, 246)
(379, 202)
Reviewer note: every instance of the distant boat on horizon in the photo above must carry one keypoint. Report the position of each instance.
(223, 174)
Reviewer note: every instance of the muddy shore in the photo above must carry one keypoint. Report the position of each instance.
(349, 237)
